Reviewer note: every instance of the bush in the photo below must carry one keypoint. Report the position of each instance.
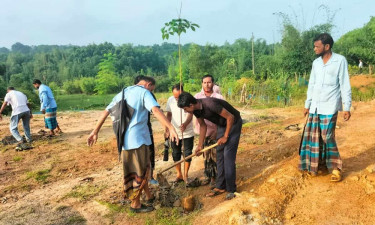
(72, 87)
(54, 87)
(87, 85)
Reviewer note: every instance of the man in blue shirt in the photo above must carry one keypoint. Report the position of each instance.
(48, 106)
(136, 154)
(328, 91)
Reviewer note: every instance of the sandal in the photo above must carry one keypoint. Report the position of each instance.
(311, 174)
(336, 176)
(142, 209)
(178, 180)
(214, 193)
(230, 196)
(150, 201)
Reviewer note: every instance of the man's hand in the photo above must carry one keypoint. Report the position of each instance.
(173, 136)
(91, 140)
(183, 127)
(305, 112)
(1, 117)
(166, 134)
(197, 150)
(43, 111)
(222, 140)
(347, 115)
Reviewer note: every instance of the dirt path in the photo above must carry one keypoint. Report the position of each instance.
(62, 181)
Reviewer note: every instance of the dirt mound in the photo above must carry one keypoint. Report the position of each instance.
(360, 81)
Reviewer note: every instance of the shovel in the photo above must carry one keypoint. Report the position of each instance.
(161, 179)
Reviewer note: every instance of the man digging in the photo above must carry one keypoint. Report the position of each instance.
(329, 89)
(135, 152)
(209, 91)
(229, 124)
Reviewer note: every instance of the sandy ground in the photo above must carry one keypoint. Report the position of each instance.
(62, 181)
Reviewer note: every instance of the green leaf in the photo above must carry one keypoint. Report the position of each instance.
(193, 28)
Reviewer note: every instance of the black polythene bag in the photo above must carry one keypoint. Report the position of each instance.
(121, 114)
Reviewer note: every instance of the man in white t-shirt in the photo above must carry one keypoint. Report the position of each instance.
(184, 129)
(20, 110)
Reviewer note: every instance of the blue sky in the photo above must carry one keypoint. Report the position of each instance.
(81, 22)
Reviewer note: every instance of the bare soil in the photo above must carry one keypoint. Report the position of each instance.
(62, 181)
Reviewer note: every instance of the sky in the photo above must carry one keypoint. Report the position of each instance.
(83, 22)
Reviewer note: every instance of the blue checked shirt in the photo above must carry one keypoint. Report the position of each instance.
(329, 86)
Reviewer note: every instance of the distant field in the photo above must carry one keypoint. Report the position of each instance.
(78, 102)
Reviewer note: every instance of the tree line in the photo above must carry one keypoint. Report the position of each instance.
(106, 68)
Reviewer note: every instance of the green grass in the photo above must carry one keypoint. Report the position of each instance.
(40, 176)
(85, 192)
(83, 102)
(17, 158)
(75, 220)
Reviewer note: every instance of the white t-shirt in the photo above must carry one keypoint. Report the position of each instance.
(18, 101)
(176, 118)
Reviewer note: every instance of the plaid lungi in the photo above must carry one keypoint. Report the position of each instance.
(319, 147)
(50, 118)
(136, 164)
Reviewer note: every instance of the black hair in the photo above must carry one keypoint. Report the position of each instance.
(36, 81)
(208, 75)
(325, 38)
(177, 87)
(185, 99)
(145, 78)
(138, 78)
(10, 88)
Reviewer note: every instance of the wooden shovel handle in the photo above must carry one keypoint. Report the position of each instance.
(189, 157)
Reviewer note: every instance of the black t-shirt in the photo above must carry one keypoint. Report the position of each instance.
(211, 109)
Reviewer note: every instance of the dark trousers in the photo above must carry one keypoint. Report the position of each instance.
(152, 152)
(226, 157)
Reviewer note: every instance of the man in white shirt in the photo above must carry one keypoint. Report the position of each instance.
(20, 110)
(184, 130)
(328, 92)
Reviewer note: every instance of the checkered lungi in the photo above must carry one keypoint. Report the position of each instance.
(136, 166)
(50, 118)
(319, 147)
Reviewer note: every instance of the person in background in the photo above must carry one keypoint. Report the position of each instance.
(21, 110)
(48, 107)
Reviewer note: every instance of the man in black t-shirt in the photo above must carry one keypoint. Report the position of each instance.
(229, 124)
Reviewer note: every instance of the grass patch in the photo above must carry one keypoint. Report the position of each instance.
(249, 124)
(77, 102)
(17, 158)
(84, 192)
(75, 219)
(167, 216)
(40, 176)
(113, 207)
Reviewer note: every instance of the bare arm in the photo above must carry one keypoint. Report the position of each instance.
(169, 118)
(188, 120)
(202, 133)
(93, 137)
(2, 109)
(230, 120)
(164, 121)
(29, 106)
